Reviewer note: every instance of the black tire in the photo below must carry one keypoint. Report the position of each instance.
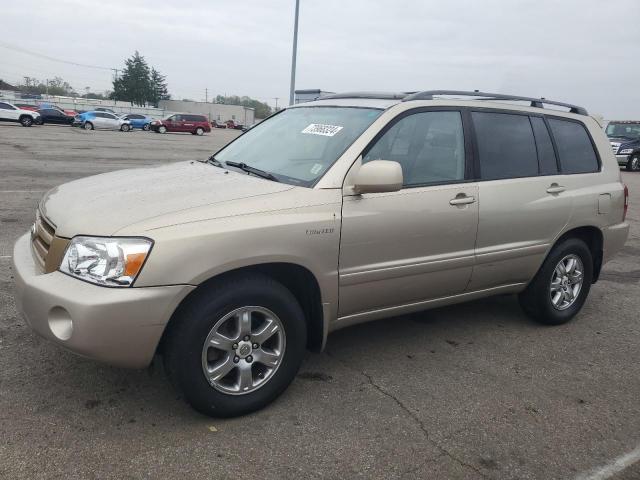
(199, 131)
(633, 164)
(162, 129)
(146, 127)
(536, 299)
(125, 128)
(26, 120)
(88, 126)
(192, 323)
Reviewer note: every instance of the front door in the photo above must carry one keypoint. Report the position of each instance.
(407, 247)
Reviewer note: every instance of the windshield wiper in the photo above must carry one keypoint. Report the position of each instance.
(249, 169)
(212, 161)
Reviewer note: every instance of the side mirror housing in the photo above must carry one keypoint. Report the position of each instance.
(378, 176)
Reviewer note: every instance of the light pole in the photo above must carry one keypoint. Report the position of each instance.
(276, 99)
(293, 55)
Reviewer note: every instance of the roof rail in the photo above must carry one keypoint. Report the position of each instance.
(372, 95)
(535, 102)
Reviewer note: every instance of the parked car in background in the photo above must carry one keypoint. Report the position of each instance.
(137, 120)
(233, 124)
(54, 115)
(104, 109)
(184, 122)
(11, 113)
(101, 120)
(217, 124)
(624, 136)
(27, 106)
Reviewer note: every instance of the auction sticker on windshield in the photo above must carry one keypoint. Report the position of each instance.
(320, 129)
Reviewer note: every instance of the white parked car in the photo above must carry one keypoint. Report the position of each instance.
(11, 113)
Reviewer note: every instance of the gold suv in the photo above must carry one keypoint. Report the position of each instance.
(339, 211)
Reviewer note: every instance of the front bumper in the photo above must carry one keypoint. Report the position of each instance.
(118, 326)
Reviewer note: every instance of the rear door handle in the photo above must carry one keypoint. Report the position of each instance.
(462, 200)
(555, 188)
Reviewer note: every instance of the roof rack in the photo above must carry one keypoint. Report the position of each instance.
(535, 102)
(372, 95)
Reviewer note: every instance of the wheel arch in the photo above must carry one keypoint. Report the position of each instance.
(298, 279)
(593, 237)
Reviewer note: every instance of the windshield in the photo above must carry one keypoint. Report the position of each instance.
(629, 130)
(299, 145)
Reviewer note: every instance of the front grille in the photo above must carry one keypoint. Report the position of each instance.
(41, 239)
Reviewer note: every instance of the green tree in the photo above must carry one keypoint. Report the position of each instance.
(139, 84)
(56, 86)
(159, 86)
(262, 109)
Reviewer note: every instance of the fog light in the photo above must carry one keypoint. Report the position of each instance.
(60, 323)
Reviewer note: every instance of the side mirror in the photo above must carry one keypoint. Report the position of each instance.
(378, 176)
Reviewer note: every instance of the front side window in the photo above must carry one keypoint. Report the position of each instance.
(574, 147)
(429, 146)
(506, 148)
(5, 106)
(299, 145)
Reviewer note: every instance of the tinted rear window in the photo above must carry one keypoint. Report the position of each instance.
(546, 154)
(506, 148)
(195, 118)
(574, 147)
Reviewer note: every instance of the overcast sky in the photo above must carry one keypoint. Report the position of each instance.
(580, 51)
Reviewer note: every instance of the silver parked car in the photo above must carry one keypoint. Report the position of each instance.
(344, 210)
(101, 120)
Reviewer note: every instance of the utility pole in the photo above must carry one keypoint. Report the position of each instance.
(276, 99)
(292, 87)
(206, 95)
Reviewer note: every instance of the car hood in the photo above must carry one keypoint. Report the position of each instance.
(106, 203)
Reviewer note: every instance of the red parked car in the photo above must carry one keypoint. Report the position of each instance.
(194, 124)
(27, 106)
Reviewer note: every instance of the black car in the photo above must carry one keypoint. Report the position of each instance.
(52, 115)
(625, 142)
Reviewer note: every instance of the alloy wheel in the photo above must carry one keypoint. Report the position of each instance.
(243, 350)
(566, 282)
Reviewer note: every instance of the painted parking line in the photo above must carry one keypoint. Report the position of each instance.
(21, 191)
(617, 465)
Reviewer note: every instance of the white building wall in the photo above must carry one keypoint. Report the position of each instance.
(215, 111)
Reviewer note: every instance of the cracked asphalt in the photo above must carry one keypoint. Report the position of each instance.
(465, 392)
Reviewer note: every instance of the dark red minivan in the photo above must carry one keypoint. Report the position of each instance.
(183, 122)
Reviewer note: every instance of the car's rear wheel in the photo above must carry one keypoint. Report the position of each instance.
(87, 126)
(146, 127)
(560, 288)
(235, 346)
(633, 164)
(26, 121)
(162, 129)
(199, 131)
(125, 127)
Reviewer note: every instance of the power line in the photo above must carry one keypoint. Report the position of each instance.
(16, 48)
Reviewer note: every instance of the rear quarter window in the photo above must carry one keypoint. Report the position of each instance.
(575, 149)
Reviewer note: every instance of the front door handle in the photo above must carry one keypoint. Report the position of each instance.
(462, 199)
(555, 188)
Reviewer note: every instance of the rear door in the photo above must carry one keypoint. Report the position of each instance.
(523, 202)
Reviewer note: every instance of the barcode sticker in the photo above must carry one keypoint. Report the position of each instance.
(320, 129)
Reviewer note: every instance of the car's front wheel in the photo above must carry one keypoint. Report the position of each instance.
(560, 288)
(162, 129)
(633, 164)
(87, 126)
(125, 127)
(236, 345)
(26, 121)
(146, 127)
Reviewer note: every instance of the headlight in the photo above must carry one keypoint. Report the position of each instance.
(626, 151)
(108, 261)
